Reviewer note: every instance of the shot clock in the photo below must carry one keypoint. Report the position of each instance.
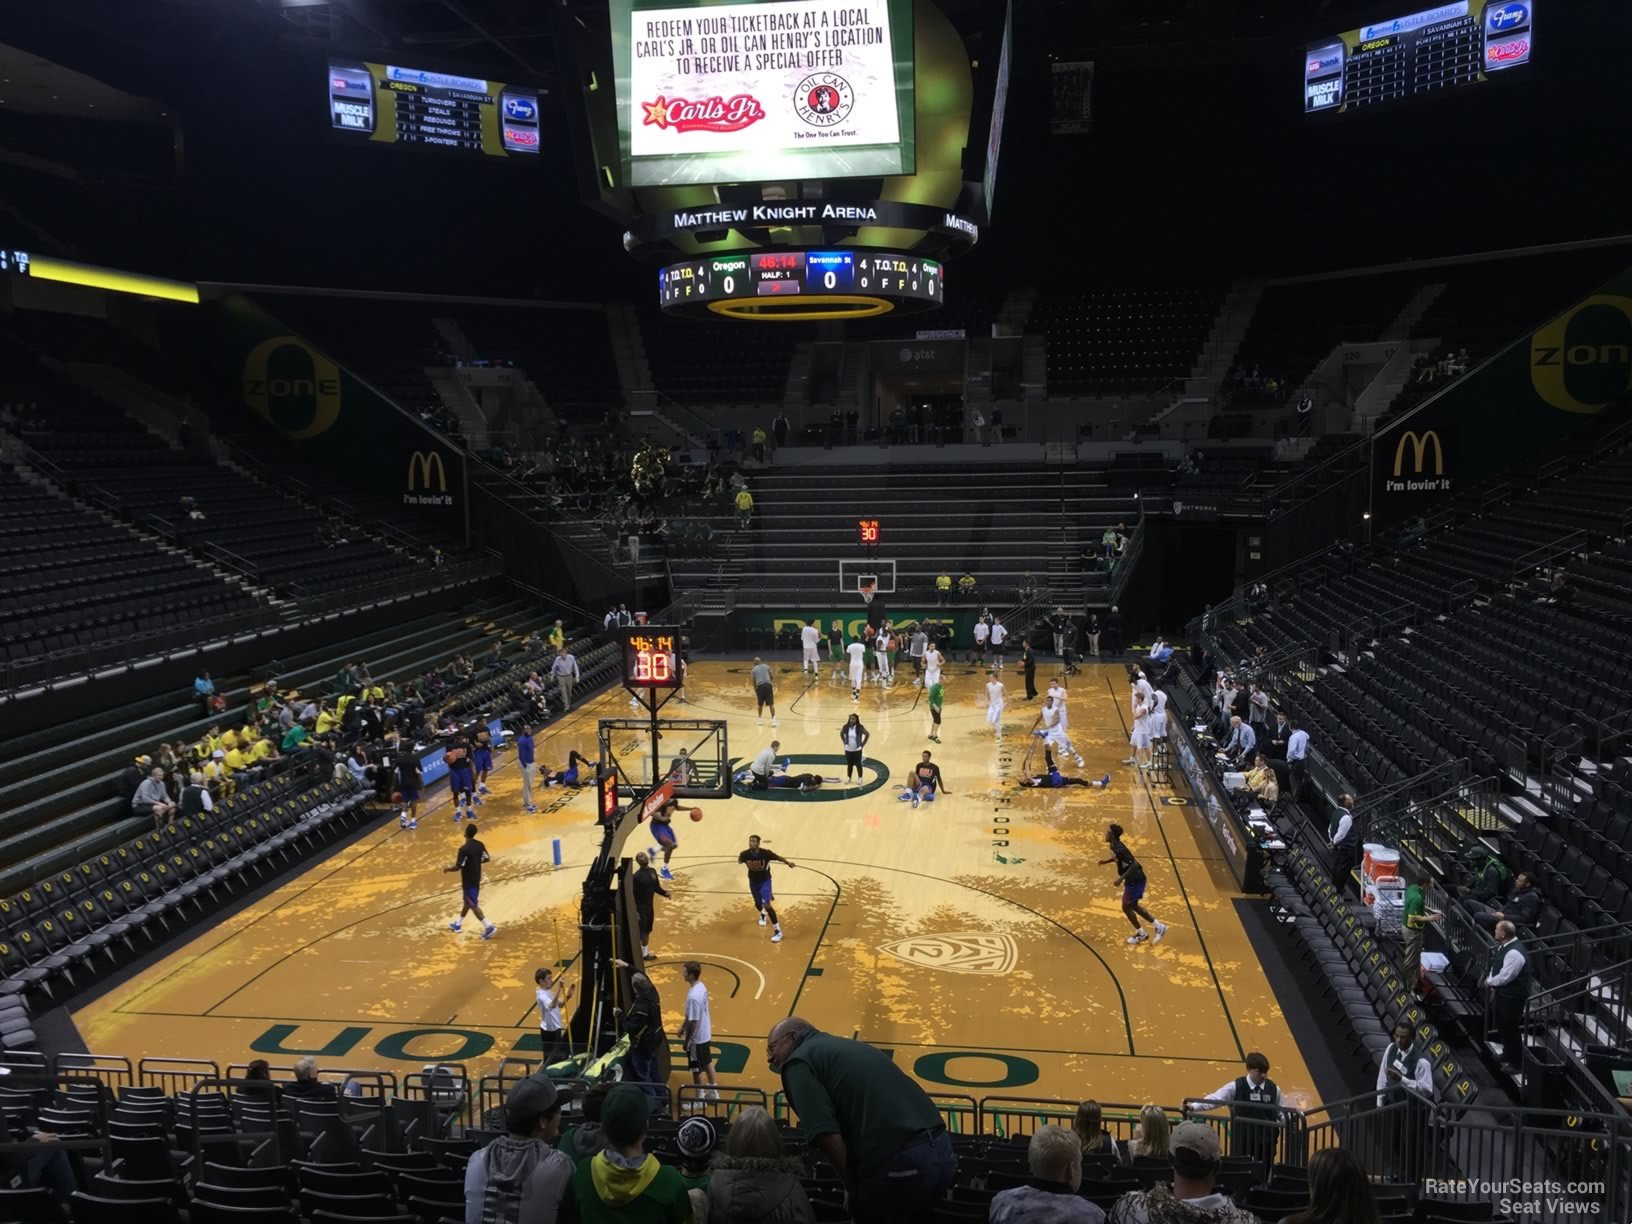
(651, 658)
(868, 531)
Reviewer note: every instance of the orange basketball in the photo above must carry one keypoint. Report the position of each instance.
(396, 796)
(696, 813)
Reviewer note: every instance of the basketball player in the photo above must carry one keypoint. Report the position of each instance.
(1139, 737)
(469, 866)
(883, 647)
(994, 704)
(1052, 777)
(982, 634)
(925, 782)
(1157, 718)
(1052, 732)
(461, 779)
(999, 636)
(835, 650)
(915, 650)
(1057, 690)
(663, 835)
(933, 662)
(937, 696)
(758, 861)
(572, 775)
(408, 784)
(764, 695)
(481, 757)
(1132, 876)
(857, 651)
(810, 637)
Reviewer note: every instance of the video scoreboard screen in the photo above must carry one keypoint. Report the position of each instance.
(1444, 47)
(800, 273)
(391, 104)
(744, 91)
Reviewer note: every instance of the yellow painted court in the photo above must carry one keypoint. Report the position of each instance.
(977, 936)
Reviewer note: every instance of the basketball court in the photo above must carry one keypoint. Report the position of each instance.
(976, 937)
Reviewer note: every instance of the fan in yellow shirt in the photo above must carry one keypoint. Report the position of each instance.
(327, 720)
(262, 750)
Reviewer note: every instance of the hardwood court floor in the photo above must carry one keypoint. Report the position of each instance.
(976, 936)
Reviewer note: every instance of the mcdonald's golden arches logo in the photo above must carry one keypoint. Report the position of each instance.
(1419, 451)
(421, 466)
(290, 384)
(1582, 360)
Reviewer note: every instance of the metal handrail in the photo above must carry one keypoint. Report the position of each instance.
(1541, 555)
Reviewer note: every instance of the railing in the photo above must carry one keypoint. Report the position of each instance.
(315, 602)
(1538, 557)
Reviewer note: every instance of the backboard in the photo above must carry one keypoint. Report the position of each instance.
(856, 576)
(691, 752)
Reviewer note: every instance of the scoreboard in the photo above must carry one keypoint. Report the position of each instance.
(651, 658)
(1444, 47)
(895, 279)
(392, 104)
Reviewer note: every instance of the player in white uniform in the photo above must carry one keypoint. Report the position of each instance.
(1057, 691)
(932, 667)
(1158, 718)
(982, 633)
(858, 671)
(1139, 737)
(882, 646)
(1000, 634)
(1052, 731)
(810, 637)
(994, 703)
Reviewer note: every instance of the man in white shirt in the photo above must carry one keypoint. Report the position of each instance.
(552, 998)
(883, 646)
(565, 671)
(999, 636)
(1345, 836)
(857, 651)
(762, 766)
(1509, 985)
(1297, 752)
(1255, 1110)
(932, 667)
(1052, 731)
(994, 704)
(1405, 1078)
(1242, 742)
(809, 638)
(917, 648)
(983, 633)
(696, 1031)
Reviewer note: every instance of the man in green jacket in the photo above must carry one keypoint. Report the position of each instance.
(875, 1126)
(624, 1183)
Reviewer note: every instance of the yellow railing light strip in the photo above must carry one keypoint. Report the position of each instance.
(44, 267)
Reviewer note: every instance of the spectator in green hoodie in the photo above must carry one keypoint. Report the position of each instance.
(582, 1141)
(624, 1183)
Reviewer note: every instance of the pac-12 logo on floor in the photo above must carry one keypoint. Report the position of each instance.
(823, 99)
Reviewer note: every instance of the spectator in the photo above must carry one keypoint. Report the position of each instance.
(779, 429)
(1297, 751)
(1091, 632)
(195, 797)
(204, 687)
(624, 1181)
(997, 423)
(966, 584)
(521, 1176)
(1509, 985)
(582, 1141)
(151, 799)
(1089, 1128)
(943, 588)
(978, 431)
(759, 445)
(876, 1127)
(643, 1024)
(45, 1163)
(695, 1141)
(1193, 1197)
(558, 636)
(306, 1084)
(132, 776)
(754, 1182)
(1050, 1196)
(1522, 907)
(1261, 782)
(745, 507)
(1339, 1191)
(294, 738)
(1152, 1138)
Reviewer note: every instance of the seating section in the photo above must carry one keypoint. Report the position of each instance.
(706, 363)
(1000, 526)
(1122, 341)
(566, 352)
(74, 587)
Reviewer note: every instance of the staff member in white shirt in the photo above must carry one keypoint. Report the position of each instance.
(983, 633)
(857, 651)
(565, 671)
(763, 764)
(809, 638)
(696, 1031)
(1345, 840)
(999, 636)
(552, 998)
(1297, 752)
(1405, 1080)
(994, 703)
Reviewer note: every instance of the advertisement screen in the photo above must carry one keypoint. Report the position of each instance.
(749, 91)
(1467, 42)
(393, 104)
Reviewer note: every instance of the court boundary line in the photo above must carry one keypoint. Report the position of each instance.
(1178, 875)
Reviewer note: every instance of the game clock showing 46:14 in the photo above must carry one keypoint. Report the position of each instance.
(651, 659)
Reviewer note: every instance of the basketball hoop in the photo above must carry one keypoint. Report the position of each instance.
(867, 591)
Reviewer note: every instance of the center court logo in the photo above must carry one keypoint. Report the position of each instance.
(823, 99)
(291, 385)
(978, 952)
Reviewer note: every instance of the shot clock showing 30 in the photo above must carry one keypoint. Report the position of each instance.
(651, 658)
